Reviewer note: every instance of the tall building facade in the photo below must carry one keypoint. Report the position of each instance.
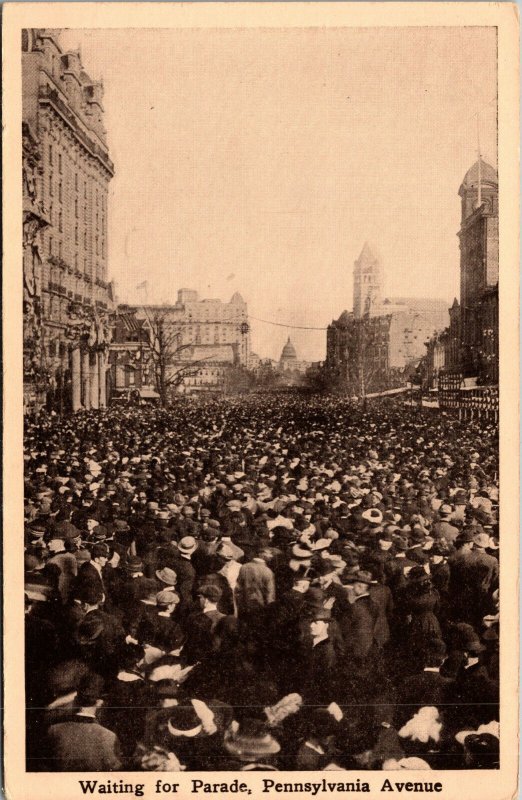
(479, 255)
(204, 341)
(357, 353)
(367, 283)
(471, 343)
(67, 170)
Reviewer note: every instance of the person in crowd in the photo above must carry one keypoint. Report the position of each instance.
(276, 582)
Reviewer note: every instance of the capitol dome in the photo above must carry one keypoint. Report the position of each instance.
(289, 353)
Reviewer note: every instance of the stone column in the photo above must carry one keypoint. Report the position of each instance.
(86, 380)
(102, 378)
(76, 378)
(95, 400)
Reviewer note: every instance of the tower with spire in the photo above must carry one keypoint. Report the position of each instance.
(367, 284)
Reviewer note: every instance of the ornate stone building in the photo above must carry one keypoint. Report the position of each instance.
(378, 345)
(357, 354)
(66, 174)
(471, 343)
(199, 345)
(478, 239)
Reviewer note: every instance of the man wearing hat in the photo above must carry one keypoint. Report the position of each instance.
(426, 688)
(80, 743)
(96, 571)
(159, 628)
(474, 693)
(64, 561)
(183, 568)
(443, 529)
(319, 659)
(200, 625)
(255, 588)
(462, 586)
(359, 630)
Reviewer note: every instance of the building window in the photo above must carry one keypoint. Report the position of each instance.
(85, 238)
(76, 186)
(59, 249)
(51, 185)
(60, 163)
(132, 377)
(50, 245)
(60, 222)
(76, 260)
(85, 190)
(50, 155)
(76, 208)
(97, 245)
(60, 192)
(76, 234)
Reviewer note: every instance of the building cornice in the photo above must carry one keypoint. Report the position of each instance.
(50, 97)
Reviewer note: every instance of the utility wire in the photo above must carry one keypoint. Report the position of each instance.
(284, 325)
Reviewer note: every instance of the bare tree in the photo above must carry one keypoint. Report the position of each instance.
(167, 349)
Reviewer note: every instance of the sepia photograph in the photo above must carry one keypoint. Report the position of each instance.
(260, 385)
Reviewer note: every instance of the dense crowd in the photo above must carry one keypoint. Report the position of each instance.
(277, 583)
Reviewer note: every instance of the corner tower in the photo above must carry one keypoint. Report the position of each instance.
(366, 283)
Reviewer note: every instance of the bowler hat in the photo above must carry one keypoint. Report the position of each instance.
(167, 576)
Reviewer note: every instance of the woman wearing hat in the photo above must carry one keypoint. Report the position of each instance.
(251, 746)
(421, 603)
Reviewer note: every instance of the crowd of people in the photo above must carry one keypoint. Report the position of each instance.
(273, 583)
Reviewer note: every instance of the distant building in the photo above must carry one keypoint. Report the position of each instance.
(357, 353)
(375, 347)
(67, 171)
(207, 339)
(289, 362)
(478, 237)
(471, 343)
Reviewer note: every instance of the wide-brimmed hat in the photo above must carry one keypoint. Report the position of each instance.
(184, 722)
(481, 540)
(358, 576)
(88, 631)
(187, 545)
(372, 515)
(252, 741)
(300, 552)
(167, 576)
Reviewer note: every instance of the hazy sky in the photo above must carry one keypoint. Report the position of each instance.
(260, 160)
